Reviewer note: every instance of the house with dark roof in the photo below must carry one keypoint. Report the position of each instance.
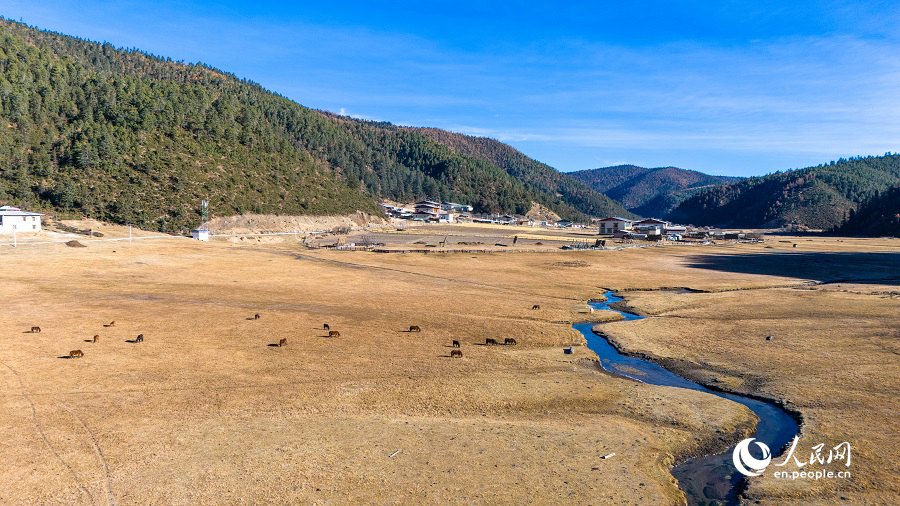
(613, 224)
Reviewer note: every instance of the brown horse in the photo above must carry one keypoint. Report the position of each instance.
(326, 326)
(455, 353)
(415, 328)
(76, 354)
(257, 316)
(490, 341)
(334, 333)
(139, 338)
(282, 342)
(35, 330)
(509, 340)
(96, 339)
(535, 307)
(110, 324)
(455, 343)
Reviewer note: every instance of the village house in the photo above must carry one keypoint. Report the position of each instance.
(614, 224)
(453, 206)
(13, 219)
(427, 210)
(650, 226)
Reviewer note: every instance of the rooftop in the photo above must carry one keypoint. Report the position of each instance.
(15, 211)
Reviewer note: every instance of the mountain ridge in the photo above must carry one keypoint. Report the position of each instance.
(819, 197)
(648, 191)
(126, 136)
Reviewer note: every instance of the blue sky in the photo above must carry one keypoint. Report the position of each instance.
(725, 87)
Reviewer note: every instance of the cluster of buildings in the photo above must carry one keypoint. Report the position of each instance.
(451, 212)
(429, 210)
(649, 228)
(15, 220)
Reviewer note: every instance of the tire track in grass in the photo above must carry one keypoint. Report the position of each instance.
(47, 443)
(110, 497)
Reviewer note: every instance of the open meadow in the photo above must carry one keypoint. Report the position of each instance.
(208, 409)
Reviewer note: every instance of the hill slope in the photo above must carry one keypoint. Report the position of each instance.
(879, 216)
(128, 137)
(819, 197)
(648, 192)
(566, 191)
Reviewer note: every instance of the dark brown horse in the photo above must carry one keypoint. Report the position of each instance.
(455, 353)
(535, 307)
(334, 333)
(257, 316)
(76, 354)
(455, 343)
(490, 341)
(509, 340)
(96, 339)
(326, 326)
(282, 342)
(139, 338)
(415, 328)
(35, 330)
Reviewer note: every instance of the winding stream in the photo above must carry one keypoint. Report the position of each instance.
(711, 479)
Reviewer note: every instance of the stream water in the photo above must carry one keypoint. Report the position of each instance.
(710, 479)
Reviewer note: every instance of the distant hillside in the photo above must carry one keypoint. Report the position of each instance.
(566, 191)
(128, 137)
(648, 192)
(819, 197)
(878, 216)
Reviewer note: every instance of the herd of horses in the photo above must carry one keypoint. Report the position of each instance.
(455, 353)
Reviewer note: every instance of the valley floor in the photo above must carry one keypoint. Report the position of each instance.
(207, 411)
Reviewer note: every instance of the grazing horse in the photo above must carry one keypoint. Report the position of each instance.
(334, 333)
(509, 340)
(326, 326)
(455, 353)
(282, 342)
(415, 328)
(455, 343)
(76, 354)
(257, 316)
(490, 341)
(35, 330)
(535, 307)
(96, 339)
(110, 324)
(139, 338)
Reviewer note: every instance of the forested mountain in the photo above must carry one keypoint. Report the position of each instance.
(820, 197)
(648, 192)
(878, 216)
(128, 137)
(566, 191)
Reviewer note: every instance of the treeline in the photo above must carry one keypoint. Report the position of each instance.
(565, 192)
(879, 216)
(125, 136)
(820, 197)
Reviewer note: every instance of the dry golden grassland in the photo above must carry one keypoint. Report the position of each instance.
(205, 411)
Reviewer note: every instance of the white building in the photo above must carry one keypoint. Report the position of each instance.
(13, 219)
(200, 234)
(609, 226)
